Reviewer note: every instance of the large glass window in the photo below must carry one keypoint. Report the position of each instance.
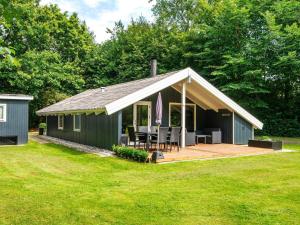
(142, 115)
(2, 112)
(190, 116)
(60, 122)
(77, 122)
(127, 118)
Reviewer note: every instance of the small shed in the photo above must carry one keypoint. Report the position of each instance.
(14, 119)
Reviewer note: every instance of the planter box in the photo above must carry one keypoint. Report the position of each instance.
(41, 131)
(275, 145)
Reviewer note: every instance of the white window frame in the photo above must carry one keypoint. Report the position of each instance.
(63, 122)
(3, 120)
(74, 129)
(187, 104)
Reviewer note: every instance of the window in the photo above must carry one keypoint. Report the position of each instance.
(2, 112)
(175, 116)
(77, 122)
(60, 122)
(127, 118)
(142, 115)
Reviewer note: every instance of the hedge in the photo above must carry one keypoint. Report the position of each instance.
(130, 153)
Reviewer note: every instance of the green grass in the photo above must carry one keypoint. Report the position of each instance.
(51, 184)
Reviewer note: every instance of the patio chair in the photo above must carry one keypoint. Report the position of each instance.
(214, 135)
(153, 129)
(190, 137)
(133, 137)
(163, 137)
(153, 136)
(143, 129)
(174, 137)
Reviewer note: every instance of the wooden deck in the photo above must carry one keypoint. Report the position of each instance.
(212, 151)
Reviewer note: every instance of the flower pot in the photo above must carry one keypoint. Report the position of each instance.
(41, 131)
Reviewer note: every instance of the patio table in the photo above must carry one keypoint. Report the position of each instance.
(148, 135)
(201, 136)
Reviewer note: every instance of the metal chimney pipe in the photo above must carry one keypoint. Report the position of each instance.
(153, 64)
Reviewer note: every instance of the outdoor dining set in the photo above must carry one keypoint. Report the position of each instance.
(167, 138)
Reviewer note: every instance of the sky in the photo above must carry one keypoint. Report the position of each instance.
(102, 14)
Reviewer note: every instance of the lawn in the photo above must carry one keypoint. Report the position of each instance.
(51, 184)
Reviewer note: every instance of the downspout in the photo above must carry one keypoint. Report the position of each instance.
(183, 99)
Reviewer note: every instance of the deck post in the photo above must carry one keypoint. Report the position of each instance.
(183, 98)
(119, 126)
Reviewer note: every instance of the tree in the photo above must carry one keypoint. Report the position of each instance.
(50, 47)
(249, 49)
(126, 56)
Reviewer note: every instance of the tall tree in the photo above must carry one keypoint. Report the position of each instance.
(50, 46)
(249, 49)
(126, 56)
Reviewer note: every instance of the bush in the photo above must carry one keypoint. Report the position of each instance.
(130, 153)
(43, 125)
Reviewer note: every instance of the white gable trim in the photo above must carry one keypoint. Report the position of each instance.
(173, 79)
(145, 92)
(226, 100)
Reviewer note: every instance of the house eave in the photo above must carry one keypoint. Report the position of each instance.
(72, 112)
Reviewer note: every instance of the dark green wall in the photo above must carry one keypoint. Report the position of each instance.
(16, 120)
(96, 130)
(221, 119)
(242, 130)
(104, 131)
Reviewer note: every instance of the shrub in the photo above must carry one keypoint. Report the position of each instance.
(130, 153)
(43, 125)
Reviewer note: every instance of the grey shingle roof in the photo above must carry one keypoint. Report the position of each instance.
(96, 99)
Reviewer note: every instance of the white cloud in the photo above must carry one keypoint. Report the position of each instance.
(93, 3)
(123, 10)
(64, 5)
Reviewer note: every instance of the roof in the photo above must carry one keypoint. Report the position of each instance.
(117, 97)
(96, 99)
(16, 97)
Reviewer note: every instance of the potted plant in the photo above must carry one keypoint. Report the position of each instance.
(42, 128)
